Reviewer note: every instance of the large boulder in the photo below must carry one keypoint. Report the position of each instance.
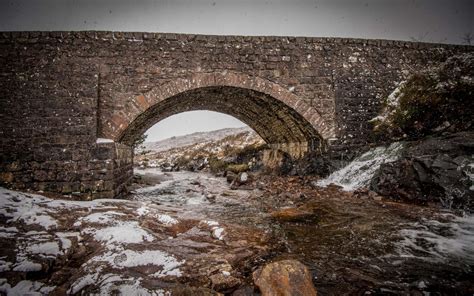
(433, 170)
(284, 278)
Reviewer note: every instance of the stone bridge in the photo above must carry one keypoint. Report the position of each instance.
(63, 93)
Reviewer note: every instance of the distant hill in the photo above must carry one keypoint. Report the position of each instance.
(195, 138)
(202, 145)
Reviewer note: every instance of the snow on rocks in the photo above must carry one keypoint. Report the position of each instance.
(129, 258)
(8, 232)
(99, 217)
(36, 227)
(25, 208)
(392, 103)
(24, 288)
(166, 219)
(217, 232)
(104, 140)
(120, 233)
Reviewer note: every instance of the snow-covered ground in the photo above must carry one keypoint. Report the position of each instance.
(40, 230)
(196, 138)
(102, 220)
(164, 235)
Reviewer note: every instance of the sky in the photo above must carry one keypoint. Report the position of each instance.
(445, 21)
(190, 122)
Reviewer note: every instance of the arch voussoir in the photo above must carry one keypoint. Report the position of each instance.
(298, 112)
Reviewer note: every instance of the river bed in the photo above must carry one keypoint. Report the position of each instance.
(190, 234)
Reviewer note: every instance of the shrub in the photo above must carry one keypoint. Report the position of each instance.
(435, 100)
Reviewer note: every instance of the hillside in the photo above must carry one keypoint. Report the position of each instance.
(181, 151)
(194, 138)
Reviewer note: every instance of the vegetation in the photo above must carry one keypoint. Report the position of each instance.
(433, 101)
(139, 142)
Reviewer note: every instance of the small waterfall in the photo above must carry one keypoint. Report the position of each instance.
(359, 172)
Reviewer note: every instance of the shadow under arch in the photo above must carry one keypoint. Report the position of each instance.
(282, 119)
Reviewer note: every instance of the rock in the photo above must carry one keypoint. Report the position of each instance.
(240, 181)
(315, 164)
(230, 176)
(243, 178)
(284, 278)
(211, 197)
(223, 282)
(432, 170)
(244, 291)
(292, 215)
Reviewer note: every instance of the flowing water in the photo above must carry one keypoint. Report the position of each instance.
(189, 234)
(358, 173)
(352, 244)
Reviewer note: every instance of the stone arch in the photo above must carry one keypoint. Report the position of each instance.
(275, 113)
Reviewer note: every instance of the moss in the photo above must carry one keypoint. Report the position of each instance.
(217, 165)
(432, 101)
(238, 168)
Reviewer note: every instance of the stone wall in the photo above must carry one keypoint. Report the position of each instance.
(60, 91)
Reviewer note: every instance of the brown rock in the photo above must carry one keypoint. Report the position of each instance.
(284, 278)
(223, 282)
(6, 177)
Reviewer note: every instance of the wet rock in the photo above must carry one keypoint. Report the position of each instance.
(224, 282)
(284, 278)
(292, 215)
(244, 291)
(230, 176)
(422, 180)
(436, 169)
(314, 163)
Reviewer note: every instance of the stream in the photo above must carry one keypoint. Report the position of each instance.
(352, 243)
(187, 233)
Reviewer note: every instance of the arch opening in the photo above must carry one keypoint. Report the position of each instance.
(276, 123)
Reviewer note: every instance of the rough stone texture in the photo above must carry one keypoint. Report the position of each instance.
(63, 90)
(436, 169)
(284, 278)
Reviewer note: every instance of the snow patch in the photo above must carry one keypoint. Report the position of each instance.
(143, 210)
(8, 232)
(99, 217)
(121, 233)
(128, 258)
(5, 265)
(25, 288)
(46, 248)
(104, 140)
(167, 220)
(26, 266)
(217, 232)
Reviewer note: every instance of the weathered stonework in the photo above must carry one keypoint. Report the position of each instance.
(60, 91)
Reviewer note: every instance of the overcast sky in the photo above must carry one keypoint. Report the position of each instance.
(425, 20)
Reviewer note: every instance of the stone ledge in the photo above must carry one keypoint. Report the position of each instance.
(147, 36)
